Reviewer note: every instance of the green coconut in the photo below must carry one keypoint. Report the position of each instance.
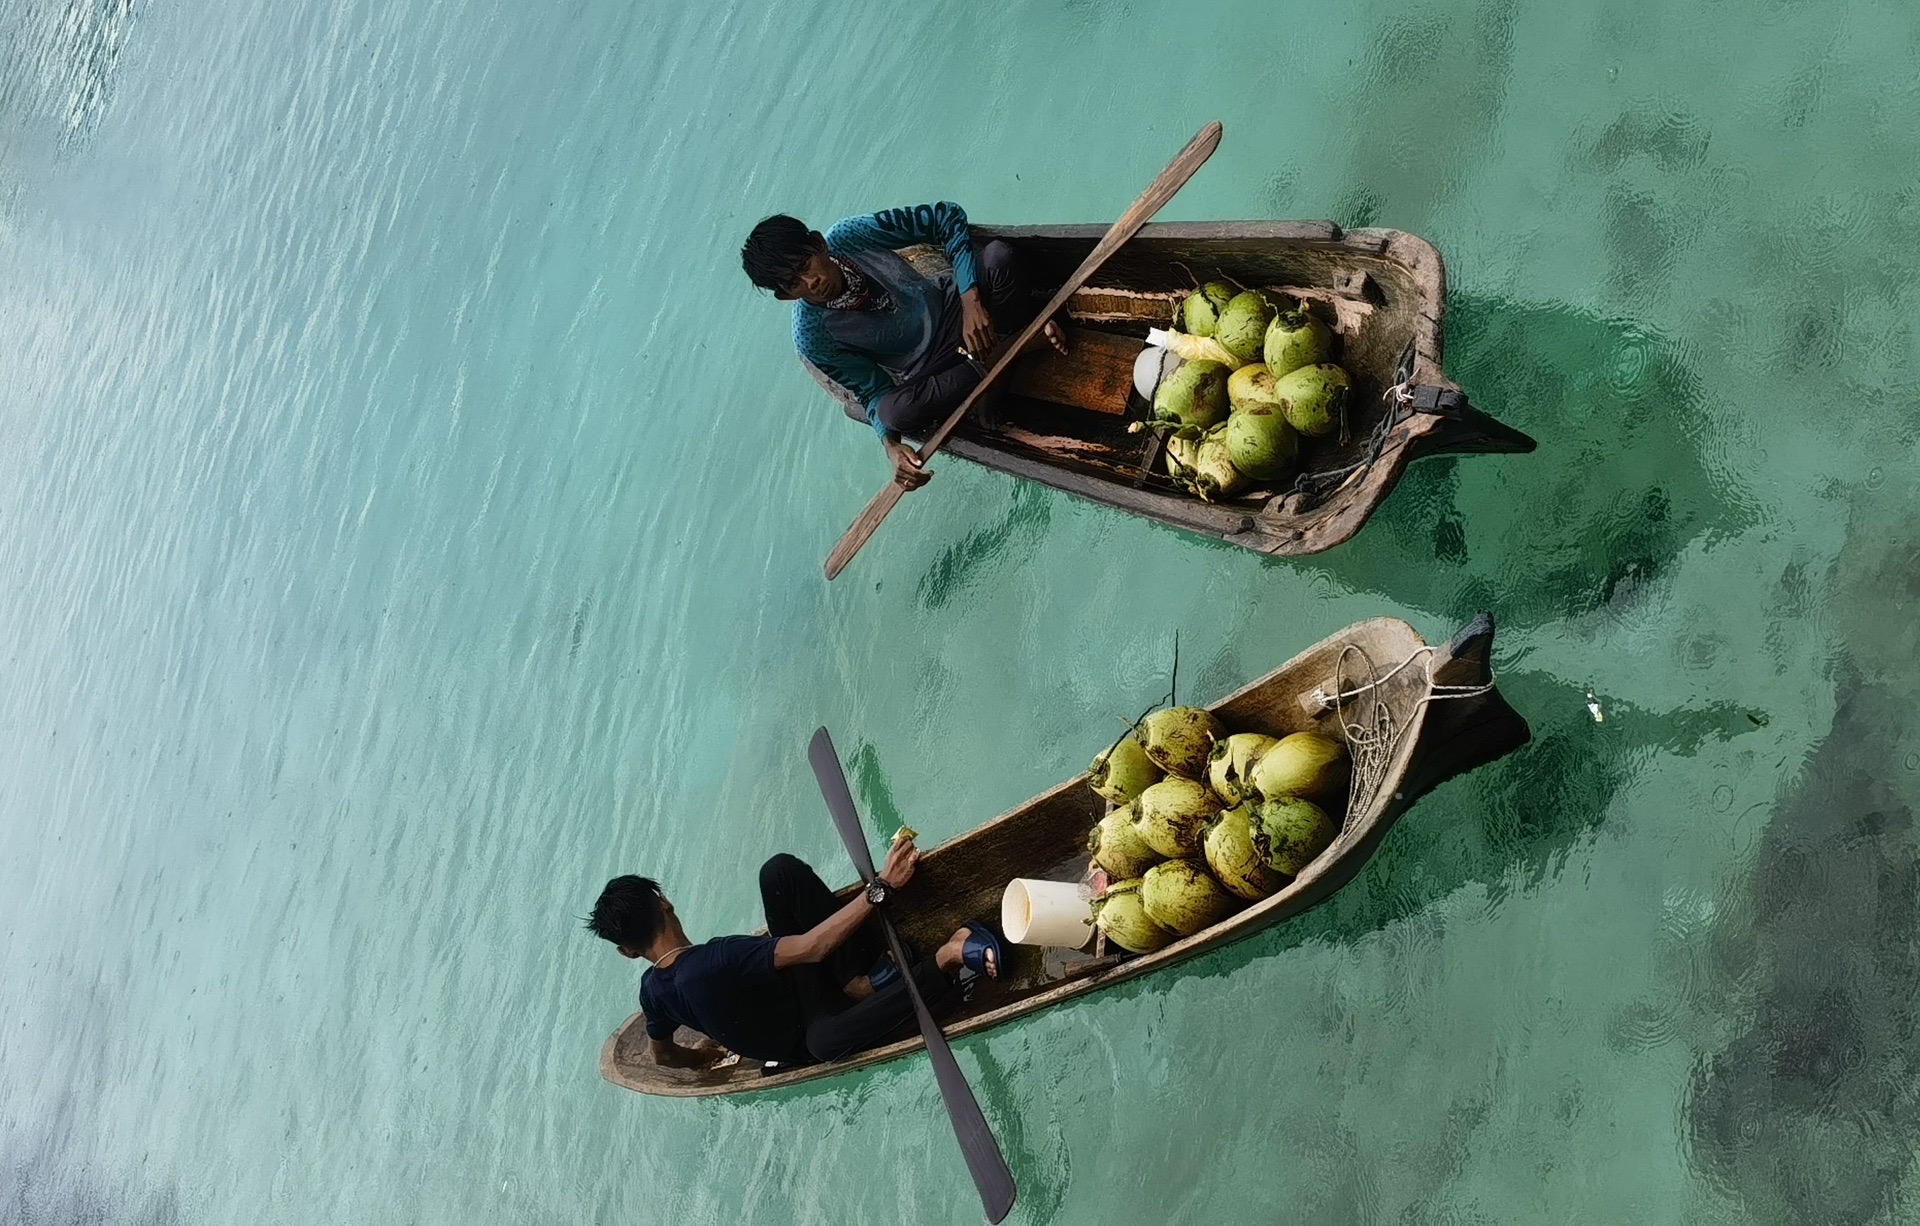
(1250, 385)
(1228, 844)
(1194, 395)
(1182, 450)
(1172, 813)
(1180, 897)
(1304, 764)
(1200, 313)
(1243, 324)
(1180, 739)
(1232, 761)
(1260, 442)
(1295, 339)
(1214, 476)
(1120, 914)
(1314, 398)
(1118, 848)
(1291, 832)
(1123, 771)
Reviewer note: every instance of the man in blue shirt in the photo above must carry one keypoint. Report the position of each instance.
(805, 992)
(867, 319)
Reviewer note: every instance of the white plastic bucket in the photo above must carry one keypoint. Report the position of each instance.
(1046, 913)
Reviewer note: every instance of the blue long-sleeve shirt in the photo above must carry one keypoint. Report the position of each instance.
(943, 225)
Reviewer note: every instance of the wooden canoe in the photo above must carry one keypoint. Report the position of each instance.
(1435, 735)
(1064, 421)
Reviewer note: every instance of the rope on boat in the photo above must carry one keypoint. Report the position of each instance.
(1317, 485)
(1372, 733)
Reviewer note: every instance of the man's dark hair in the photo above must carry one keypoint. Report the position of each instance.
(628, 912)
(775, 251)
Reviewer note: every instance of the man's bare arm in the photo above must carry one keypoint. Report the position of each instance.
(831, 933)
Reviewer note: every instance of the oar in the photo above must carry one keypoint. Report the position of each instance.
(1161, 190)
(989, 1167)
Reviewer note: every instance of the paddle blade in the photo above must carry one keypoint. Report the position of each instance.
(833, 786)
(988, 1166)
(863, 528)
(991, 1176)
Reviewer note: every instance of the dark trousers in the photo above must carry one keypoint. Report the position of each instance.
(796, 899)
(917, 407)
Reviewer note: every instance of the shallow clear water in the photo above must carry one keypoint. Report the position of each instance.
(411, 519)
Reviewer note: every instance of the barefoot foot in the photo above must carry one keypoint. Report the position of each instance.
(1056, 336)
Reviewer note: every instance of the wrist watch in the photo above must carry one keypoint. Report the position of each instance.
(878, 892)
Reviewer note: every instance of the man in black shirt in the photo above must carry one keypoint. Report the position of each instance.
(804, 992)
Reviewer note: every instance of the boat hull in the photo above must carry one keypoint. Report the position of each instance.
(1436, 737)
(1387, 287)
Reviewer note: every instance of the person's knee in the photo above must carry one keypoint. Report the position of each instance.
(896, 412)
(779, 870)
(998, 265)
(914, 410)
(821, 1051)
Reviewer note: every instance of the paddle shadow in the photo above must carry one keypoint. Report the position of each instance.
(959, 566)
(1042, 1166)
(878, 809)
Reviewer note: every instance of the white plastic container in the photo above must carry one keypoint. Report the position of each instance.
(1046, 913)
(1153, 365)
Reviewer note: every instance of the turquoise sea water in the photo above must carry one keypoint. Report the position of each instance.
(408, 519)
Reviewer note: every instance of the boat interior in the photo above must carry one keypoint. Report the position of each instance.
(1072, 413)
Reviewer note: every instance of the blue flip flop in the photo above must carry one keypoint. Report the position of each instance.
(884, 972)
(973, 951)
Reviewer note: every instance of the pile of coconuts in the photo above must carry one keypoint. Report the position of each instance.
(1254, 379)
(1206, 821)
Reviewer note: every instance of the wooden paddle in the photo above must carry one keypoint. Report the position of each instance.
(1161, 190)
(990, 1174)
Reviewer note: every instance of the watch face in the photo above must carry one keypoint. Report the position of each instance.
(876, 892)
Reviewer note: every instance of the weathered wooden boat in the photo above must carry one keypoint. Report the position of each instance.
(1412, 717)
(1064, 421)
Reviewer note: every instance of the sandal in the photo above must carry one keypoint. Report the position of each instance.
(979, 943)
(885, 973)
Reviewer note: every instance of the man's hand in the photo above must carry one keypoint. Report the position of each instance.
(831, 933)
(902, 859)
(906, 463)
(976, 325)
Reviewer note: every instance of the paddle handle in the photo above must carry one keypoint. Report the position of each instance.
(1151, 201)
(1161, 190)
(877, 509)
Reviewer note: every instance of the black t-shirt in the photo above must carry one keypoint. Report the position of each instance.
(727, 989)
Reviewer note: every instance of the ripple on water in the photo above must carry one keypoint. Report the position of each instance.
(1643, 1025)
(1700, 653)
(1631, 361)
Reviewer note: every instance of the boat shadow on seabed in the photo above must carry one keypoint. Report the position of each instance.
(1619, 488)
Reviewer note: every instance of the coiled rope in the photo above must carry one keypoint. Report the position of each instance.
(1372, 732)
